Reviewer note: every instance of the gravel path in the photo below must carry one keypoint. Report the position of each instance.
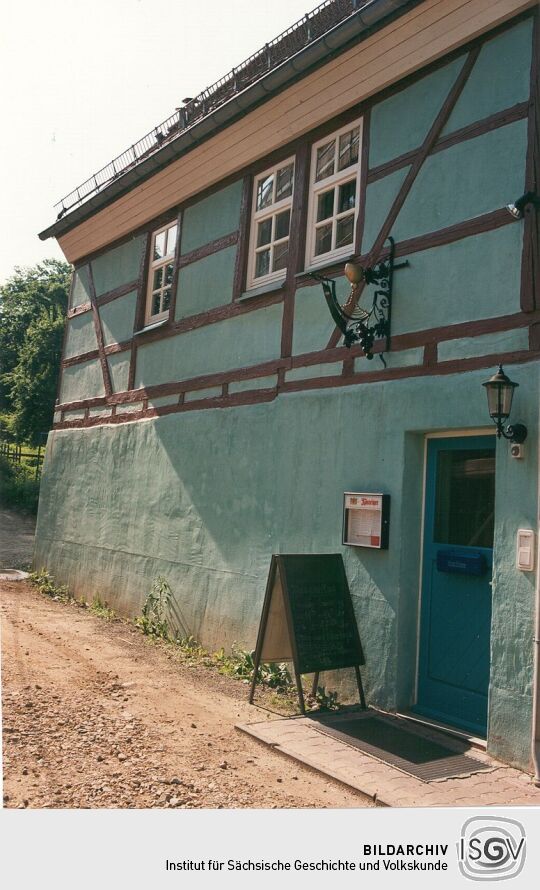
(96, 715)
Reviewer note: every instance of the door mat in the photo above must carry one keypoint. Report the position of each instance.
(408, 751)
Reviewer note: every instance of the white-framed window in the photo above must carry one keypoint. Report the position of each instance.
(333, 195)
(160, 272)
(270, 224)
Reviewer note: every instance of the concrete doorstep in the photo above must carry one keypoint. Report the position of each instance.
(301, 739)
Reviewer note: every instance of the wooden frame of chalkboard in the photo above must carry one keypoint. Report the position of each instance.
(308, 618)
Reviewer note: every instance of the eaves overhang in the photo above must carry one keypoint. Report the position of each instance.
(357, 27)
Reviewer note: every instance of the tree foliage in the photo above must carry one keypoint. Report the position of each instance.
(34, 378)
(33, 305)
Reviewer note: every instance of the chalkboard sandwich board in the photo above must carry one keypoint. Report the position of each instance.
(308, 619)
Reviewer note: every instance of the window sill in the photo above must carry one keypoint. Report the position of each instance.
(152, 327)
(268, 288)
(333, 268)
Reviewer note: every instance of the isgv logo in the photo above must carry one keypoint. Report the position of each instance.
(491, 849)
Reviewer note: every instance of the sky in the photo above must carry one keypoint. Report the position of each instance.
(81, 81)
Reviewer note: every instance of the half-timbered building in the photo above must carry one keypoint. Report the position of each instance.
(209, 413)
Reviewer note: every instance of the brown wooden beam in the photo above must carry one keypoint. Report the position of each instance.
(471, 131)
(107, 385)
(176, 270)
(530, 258)
(494, 219)
(205, 250)
(240, 265)
(364, 171)
(297, 243)
(455, 366)
(112, 349)
(487, 222)
(117, 292)
(534, 336)
(427, 337)
(192, 322)
(140, 306)
(79, 359)
(205, 381)
(210, 316)
(78, 310)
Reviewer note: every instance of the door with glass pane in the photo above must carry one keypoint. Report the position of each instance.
(455, 617)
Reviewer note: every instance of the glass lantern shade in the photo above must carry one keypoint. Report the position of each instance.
(354, 271)
(500, 392)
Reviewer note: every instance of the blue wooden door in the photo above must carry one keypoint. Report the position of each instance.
(455, 617)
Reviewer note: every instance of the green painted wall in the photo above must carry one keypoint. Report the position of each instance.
(419, 105)
(80, 292)
(234, 343)
(117, 318)
(80, 336)
(211, 218)
(500, 78)
(206, 284)
(118, 266)
(380, 196)
(211, 392)
(84, 381)
(211, 532)
(254, 383)
(473, 278)
(119, 370)
(466, 180)
(328, 369)
(487, 344)
(313, 324)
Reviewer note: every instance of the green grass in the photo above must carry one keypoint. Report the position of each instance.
(101, 610)
(46, 585)
(18, 487)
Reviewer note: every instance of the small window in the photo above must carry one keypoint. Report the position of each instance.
(270, 224)
(333, 201)
(160, 273)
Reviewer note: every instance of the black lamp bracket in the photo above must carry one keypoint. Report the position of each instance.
(515, 433)
(363, 326)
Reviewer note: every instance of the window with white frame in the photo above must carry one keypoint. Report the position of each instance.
(270, 224)
(160, 273)
(333, 200)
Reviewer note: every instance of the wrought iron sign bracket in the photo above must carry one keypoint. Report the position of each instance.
(363, 326)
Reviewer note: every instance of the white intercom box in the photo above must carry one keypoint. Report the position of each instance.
(525, 550)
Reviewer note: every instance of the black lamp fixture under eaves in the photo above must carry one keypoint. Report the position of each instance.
(500, 392)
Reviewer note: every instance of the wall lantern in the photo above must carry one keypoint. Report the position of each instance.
(500, 392)
(361, 326)
(518, 207)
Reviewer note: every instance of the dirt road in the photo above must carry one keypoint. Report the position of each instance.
(95, 715)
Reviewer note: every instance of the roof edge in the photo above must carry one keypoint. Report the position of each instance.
(351, 30)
